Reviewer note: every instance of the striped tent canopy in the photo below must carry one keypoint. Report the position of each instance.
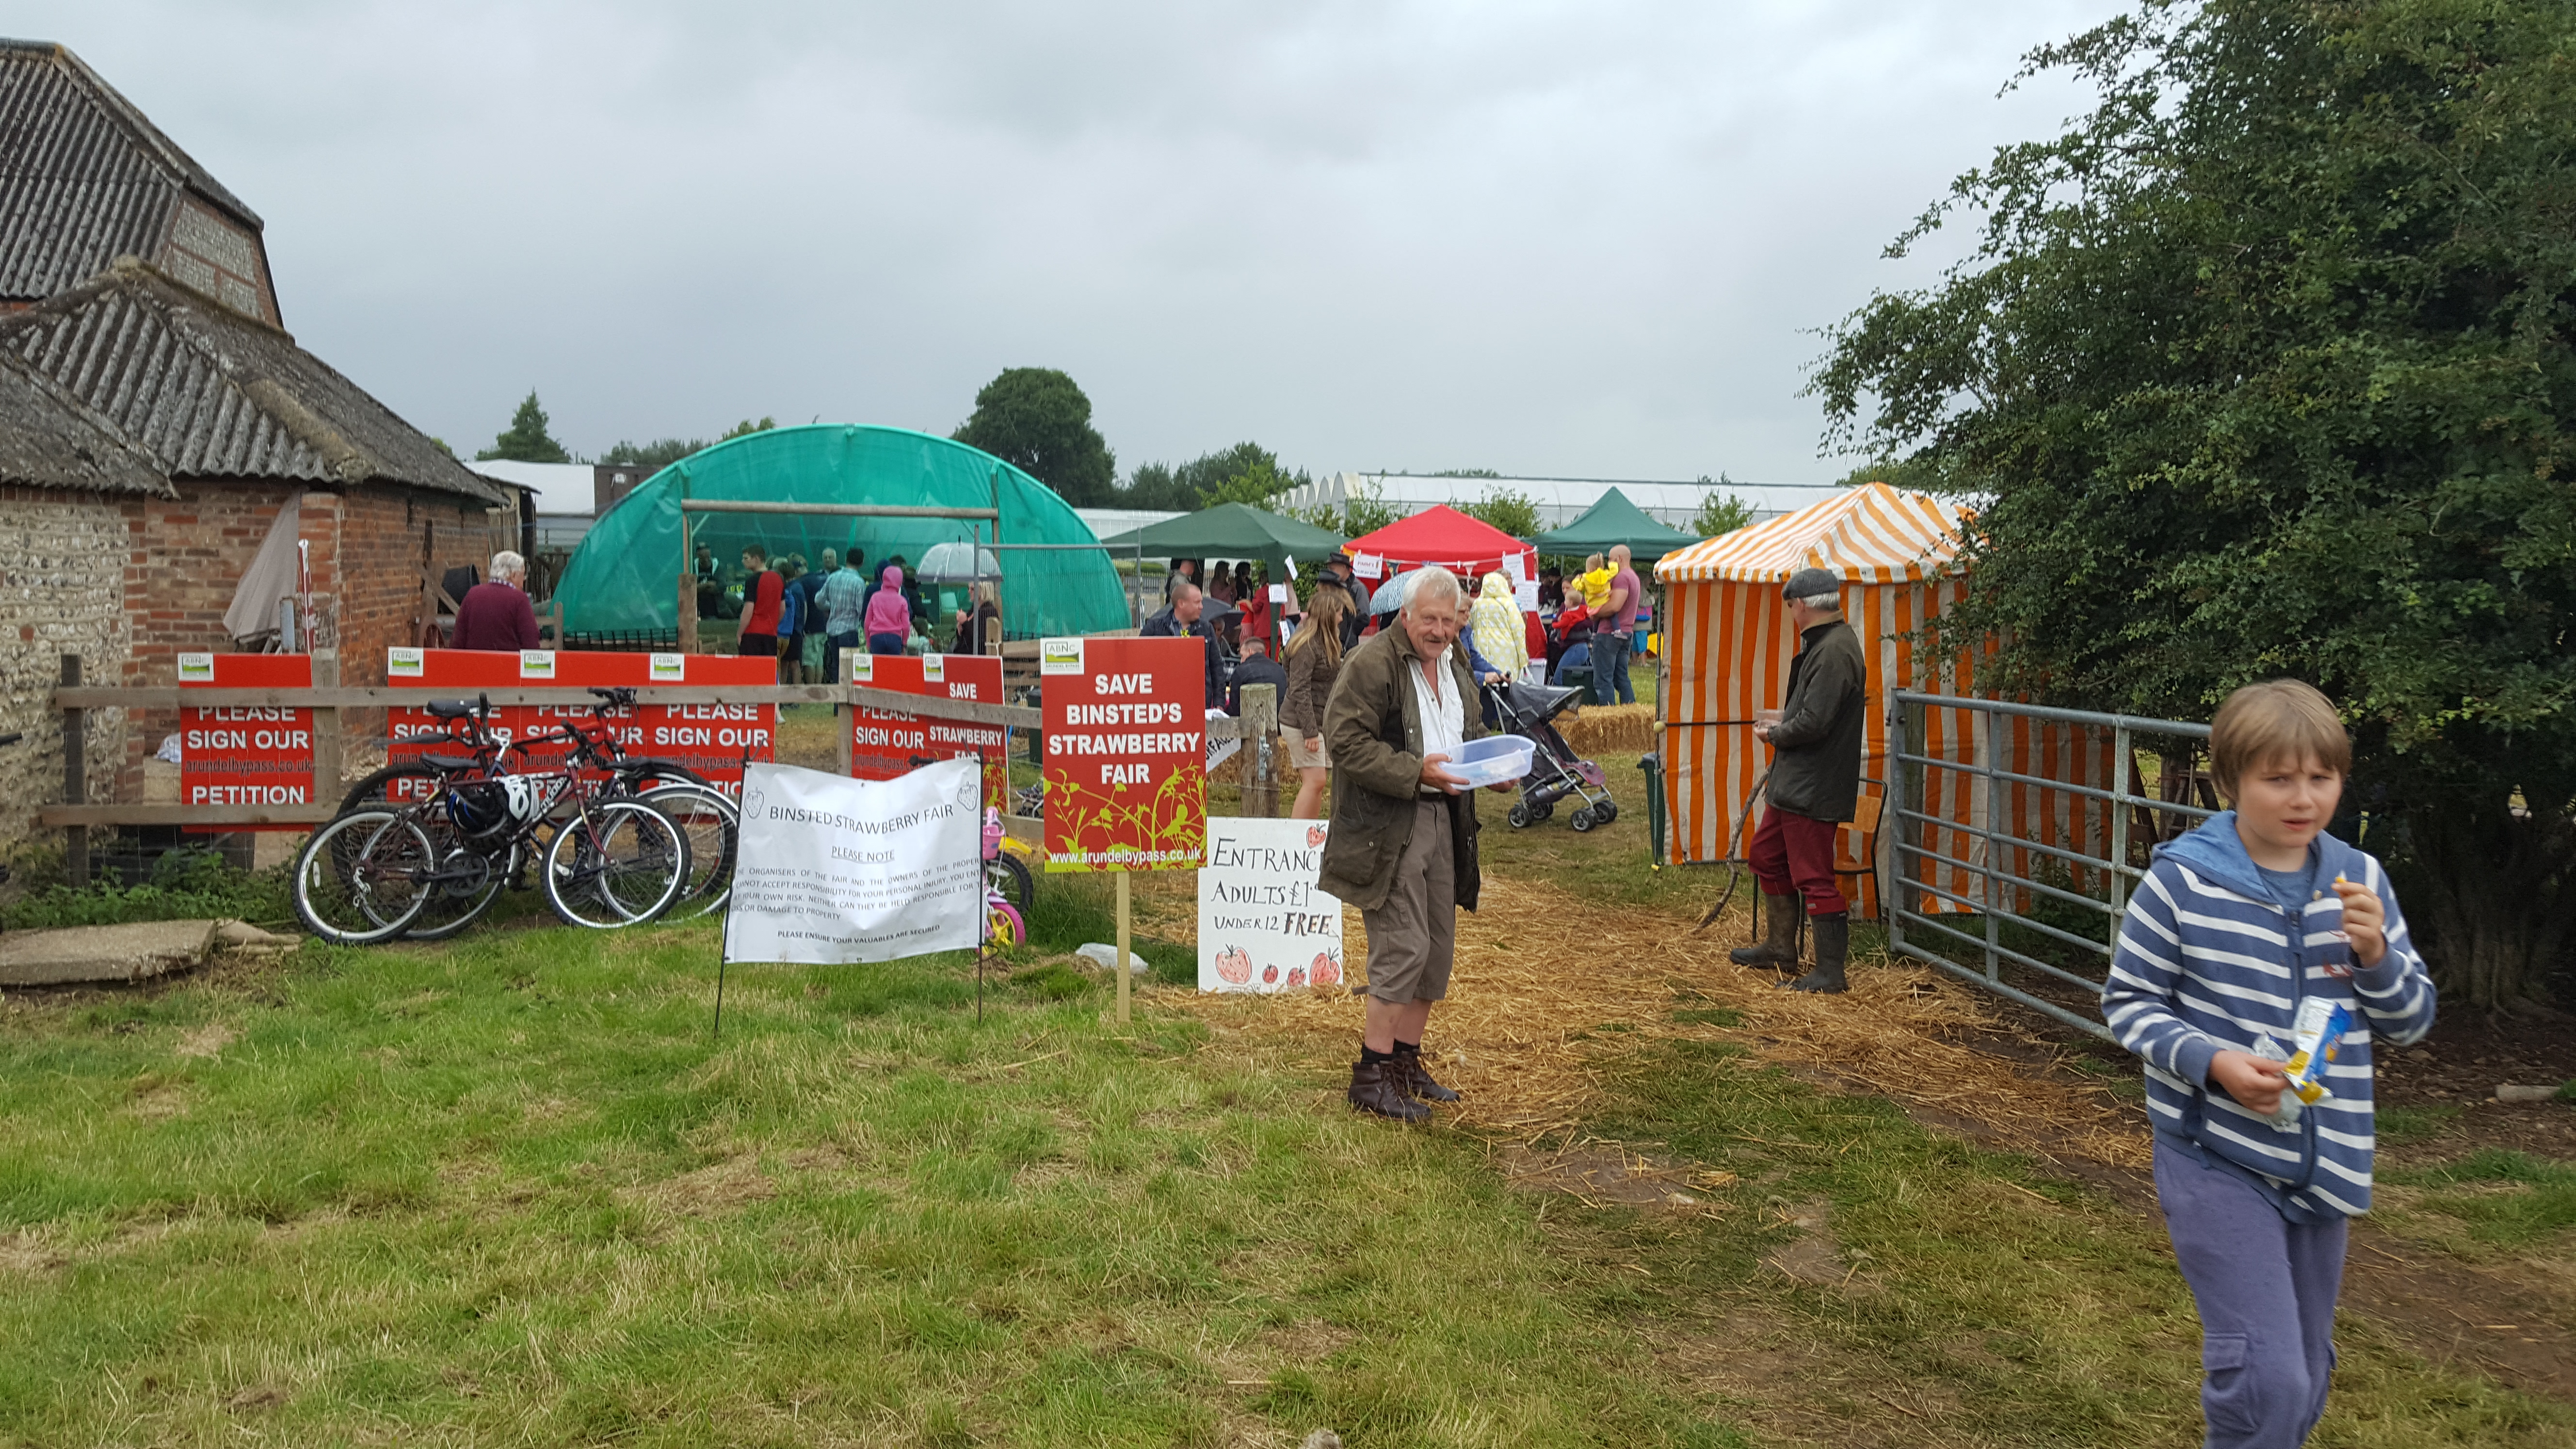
(1872, 534)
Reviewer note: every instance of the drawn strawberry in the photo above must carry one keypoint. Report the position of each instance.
(1296, 975)
(1269, 975)
(1328, 972)
(1234, 964)
(1314, 836)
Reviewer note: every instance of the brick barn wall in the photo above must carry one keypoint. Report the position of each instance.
(367, 548)
(63, 558)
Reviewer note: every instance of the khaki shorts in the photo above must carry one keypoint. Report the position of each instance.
(1413, 938)
(1301, 757)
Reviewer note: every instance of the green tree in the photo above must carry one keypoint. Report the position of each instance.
(1037, 420)
(1513, 513)
(1720, 511)
(1257, 485)
(654, 456)
(746, 428)
(1189, 485)
(2262, 368)
(526, 439)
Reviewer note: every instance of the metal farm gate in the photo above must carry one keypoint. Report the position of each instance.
(2018, 832)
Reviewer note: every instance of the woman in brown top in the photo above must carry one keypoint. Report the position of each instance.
(1314, 662)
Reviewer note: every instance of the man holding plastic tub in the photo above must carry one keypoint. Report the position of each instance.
(1403, 843)
(1815, 738)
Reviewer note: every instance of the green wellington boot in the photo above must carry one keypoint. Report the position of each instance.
(1833, 947)
(1779, 950)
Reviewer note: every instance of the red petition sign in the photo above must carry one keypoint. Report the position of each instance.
(245, 754)
(887, 743)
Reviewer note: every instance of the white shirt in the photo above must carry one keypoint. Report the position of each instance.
(1444, 719)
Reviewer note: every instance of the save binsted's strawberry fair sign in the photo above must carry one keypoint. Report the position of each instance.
(888, 743)
(246, 754)
(1126, 752)
(712, 739)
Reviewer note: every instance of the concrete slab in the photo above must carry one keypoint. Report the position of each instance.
(132, 952)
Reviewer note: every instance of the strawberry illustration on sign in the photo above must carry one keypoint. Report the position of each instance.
(1328, 969)
(1314, 835)
(1234, 964)
(1296, 975)
(1269, 975)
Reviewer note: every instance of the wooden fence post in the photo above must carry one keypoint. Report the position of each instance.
(327, 739)
(688, 641)
(1260, 726)
(75, 779)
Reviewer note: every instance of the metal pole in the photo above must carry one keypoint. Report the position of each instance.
(2120, 800)
(1896, 780)
(1993, 892)
(1122, 944)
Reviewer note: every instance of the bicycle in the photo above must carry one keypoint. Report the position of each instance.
(371, 873)
(707, 815)
(1010, 888)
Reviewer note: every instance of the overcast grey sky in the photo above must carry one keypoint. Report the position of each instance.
(1573, 239)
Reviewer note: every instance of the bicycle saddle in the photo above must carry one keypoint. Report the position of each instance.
(448, 709)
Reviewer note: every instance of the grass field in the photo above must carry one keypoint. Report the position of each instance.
(510, 1189)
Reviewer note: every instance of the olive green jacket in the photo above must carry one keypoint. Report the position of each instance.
(1373, 734)
(1815, 762)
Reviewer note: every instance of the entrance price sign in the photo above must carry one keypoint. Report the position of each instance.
(885, 743)
(1126, 753)
(246, 754)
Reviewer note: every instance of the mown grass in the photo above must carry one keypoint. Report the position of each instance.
(2506, 1199)
(510, 1189)
(1975, 1296)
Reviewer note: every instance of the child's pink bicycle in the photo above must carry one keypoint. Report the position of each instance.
(1004, 878)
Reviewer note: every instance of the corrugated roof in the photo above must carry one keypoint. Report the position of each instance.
(1872, 534)
(84, 177)
(48, 439)
(208, 392)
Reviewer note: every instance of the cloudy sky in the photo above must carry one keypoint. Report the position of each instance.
(1566, 239)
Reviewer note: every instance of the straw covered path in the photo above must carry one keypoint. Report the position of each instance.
(1554, 989)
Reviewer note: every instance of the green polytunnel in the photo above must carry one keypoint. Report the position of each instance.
(623, 581)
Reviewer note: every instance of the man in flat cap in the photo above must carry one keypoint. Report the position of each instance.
(1815, 738)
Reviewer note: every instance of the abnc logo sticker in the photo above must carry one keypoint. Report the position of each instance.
(196, 669)
(536, 664)
(403, 663)
(670, 668)
(1059, 656)
(934, 669)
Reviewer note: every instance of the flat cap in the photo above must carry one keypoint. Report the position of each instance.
(1807, 583)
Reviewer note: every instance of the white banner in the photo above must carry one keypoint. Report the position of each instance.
(835, 870)
(1263, 926)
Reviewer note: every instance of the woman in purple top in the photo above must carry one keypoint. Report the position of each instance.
(889, 617)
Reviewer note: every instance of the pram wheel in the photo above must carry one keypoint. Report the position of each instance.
(1520, 817)
(1583, 819)
(1605, 812)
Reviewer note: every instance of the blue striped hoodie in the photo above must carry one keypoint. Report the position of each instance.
(2208, 960)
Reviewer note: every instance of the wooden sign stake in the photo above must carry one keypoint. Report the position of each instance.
(1122, 947)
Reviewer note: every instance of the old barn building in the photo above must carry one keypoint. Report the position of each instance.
(160, 419)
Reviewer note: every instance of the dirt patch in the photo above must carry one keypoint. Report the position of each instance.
(1776, 1379)
(2454, 1314)
(206, 1042)
(1605, 1175)
(710, 1191)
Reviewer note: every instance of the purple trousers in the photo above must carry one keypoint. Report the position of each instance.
(2266, 1289)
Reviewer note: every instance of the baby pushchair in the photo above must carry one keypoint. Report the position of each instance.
(1529, 710)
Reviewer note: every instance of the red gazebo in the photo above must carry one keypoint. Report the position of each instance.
(1444, 536)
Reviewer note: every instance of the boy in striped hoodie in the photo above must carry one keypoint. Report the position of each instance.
(2234, 925)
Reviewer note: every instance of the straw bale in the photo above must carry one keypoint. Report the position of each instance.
(1554, 993)
(1595, 730)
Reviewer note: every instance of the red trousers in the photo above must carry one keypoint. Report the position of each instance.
(1792, 854)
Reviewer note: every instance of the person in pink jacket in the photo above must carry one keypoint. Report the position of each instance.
(889, 617)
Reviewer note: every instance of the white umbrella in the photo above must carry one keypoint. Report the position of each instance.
(950, 563)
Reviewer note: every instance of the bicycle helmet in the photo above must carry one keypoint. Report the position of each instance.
(489, 807)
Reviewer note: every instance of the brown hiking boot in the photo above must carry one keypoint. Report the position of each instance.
(1779, 950)
(1374, 1089)
(1415, 1081)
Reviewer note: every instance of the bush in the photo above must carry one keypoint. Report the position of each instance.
(185, 884)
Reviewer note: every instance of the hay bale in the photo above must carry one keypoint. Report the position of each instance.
(1600, 730)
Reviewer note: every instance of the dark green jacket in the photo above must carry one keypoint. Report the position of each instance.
(1373, 733)
(1815, 765)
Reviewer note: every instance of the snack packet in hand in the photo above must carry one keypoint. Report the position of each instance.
(2316, 1037)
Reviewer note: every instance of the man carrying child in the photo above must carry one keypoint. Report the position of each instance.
(2241, 931)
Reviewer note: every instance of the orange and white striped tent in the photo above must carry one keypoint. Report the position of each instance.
(1729, 643)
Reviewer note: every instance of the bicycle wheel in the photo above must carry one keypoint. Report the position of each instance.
(1002, 924)
(1004, 876)
(363, 877)
(617, 863)
(463, 886)
(714, 826)
(396, 785)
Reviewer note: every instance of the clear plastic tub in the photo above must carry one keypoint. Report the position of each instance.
(1493, 760)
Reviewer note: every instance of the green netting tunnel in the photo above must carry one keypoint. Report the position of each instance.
(623, 579)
